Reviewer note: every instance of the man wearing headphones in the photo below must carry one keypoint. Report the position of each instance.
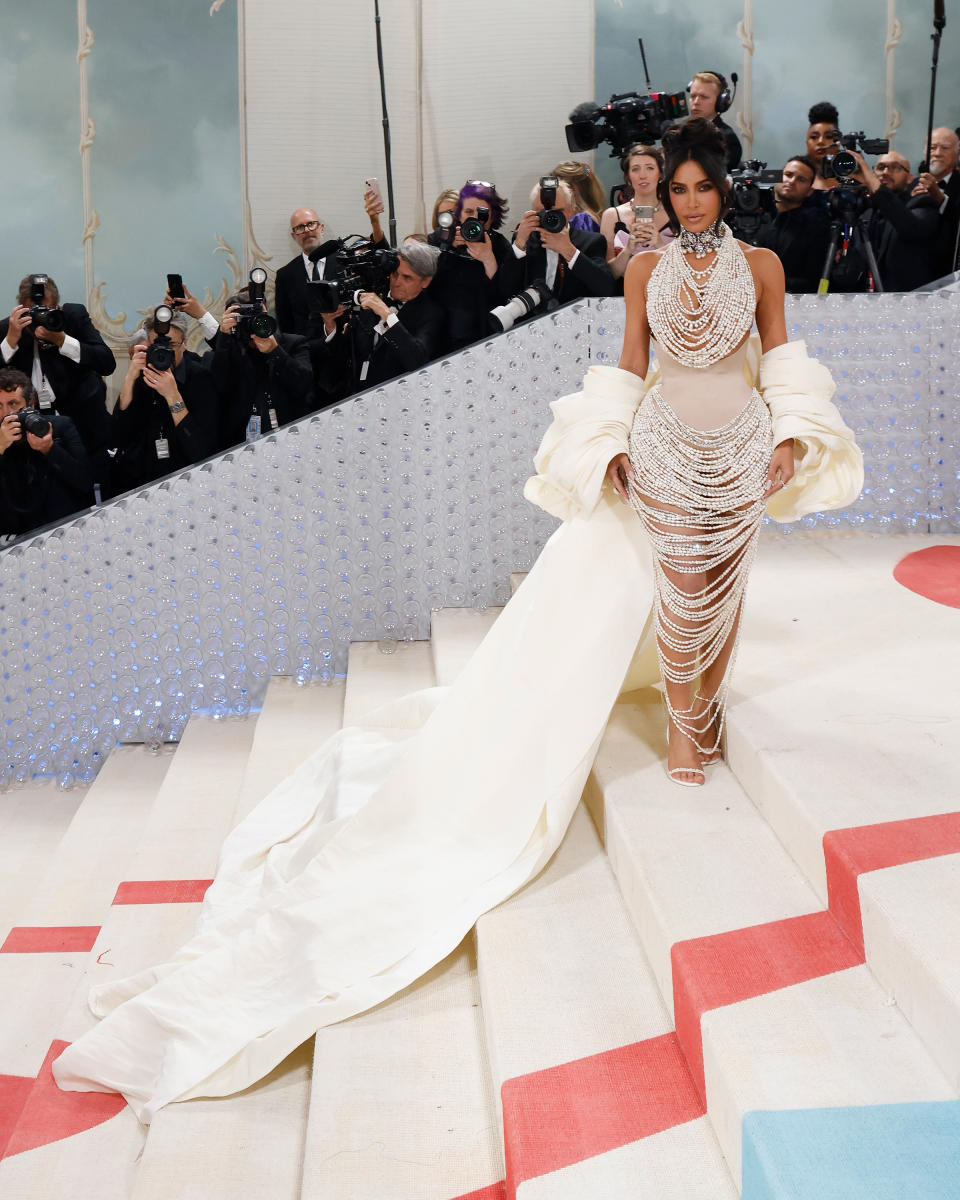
(709, 97)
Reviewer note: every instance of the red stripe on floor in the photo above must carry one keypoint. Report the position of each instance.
(50, 1115)
(563, 1115)
(848, 853)
(933, 573)
(14, 1090)
(496, 1191)
(711, 972)
(162, 891)
(49, 939)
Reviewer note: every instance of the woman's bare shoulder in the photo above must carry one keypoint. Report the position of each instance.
(766, 266)
(641, 266)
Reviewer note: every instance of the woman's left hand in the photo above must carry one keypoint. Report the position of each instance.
(780, 471)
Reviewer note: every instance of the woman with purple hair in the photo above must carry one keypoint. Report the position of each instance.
(467, 283)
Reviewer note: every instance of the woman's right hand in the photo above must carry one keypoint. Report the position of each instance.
(618, 472)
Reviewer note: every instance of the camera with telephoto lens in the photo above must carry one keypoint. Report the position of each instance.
(360, 265)
(40, 313)
(252, 321)
(625, 119)
(552, 219)
(160, 352)
(841, 164)
(33, 422)
(473, 229)
(535, 298)
(753, 201)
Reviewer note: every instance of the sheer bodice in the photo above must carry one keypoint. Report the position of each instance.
(705, 398)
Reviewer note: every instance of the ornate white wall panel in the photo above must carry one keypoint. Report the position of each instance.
(485, 95)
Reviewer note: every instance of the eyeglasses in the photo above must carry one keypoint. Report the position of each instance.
(306, 227)
(889, 167)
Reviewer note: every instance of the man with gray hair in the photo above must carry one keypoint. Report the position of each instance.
(572, 262)
(941, 181)
(390, 335)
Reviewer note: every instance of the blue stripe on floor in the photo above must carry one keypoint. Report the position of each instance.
(879, 1152)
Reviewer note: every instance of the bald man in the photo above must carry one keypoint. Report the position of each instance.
(942, 183)
(903, 228)
(893, 171)
(293, 279)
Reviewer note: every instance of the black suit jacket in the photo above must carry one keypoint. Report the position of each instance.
(416, 339)
(292, 295)
(147, 418)
(248, 381)
(37, 489)
(590, 275)
(905, 239)
(799, 237)
(79, 387)
(948, 236)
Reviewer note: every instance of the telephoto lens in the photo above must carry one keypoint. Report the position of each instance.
(553, 220)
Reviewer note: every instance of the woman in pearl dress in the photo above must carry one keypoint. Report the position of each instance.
(372, 861)
(702, 464)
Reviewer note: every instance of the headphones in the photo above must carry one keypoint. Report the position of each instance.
(725, 99)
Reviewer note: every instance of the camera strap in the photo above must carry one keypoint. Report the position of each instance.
(46, 397)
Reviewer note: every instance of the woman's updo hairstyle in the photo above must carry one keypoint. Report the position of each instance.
(696, 140)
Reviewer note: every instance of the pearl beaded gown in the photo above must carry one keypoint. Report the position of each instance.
(372, 861)
(700, 448)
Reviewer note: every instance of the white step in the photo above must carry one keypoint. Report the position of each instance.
(180, 840)
(32, 822)
(846, 711)
(72, 890)
(573, 1016)
(375, 677)
(454, 635)
(402, 1105)
(910, 927)
(252, 1143)
(694, 863)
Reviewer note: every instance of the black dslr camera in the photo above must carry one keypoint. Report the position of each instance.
(472, 229)
(252, 321)
(841, 164)
(40, 312)
(552, 219)
(160, 353)
(360, 266)
(33, 422)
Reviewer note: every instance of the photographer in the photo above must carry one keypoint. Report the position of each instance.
(903, 229)
(941, 182)
(466, 284)
(799, 233)
(264, 381)
(44, 470)
(823, 138)
(166, 415)
(65, 358)
(572, 262)
(390, 336)
(709, 97)
(292, 284)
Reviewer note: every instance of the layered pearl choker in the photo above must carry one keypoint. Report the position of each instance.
(701, 316)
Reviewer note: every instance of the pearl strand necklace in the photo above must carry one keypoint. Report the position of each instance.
(723, 296)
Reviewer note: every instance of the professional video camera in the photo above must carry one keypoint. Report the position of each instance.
(627, 117)
(252, 320)
(753, 201)
(361, 266)
(160, 354)
(40, 313)
(842, 165)
(33, 422)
